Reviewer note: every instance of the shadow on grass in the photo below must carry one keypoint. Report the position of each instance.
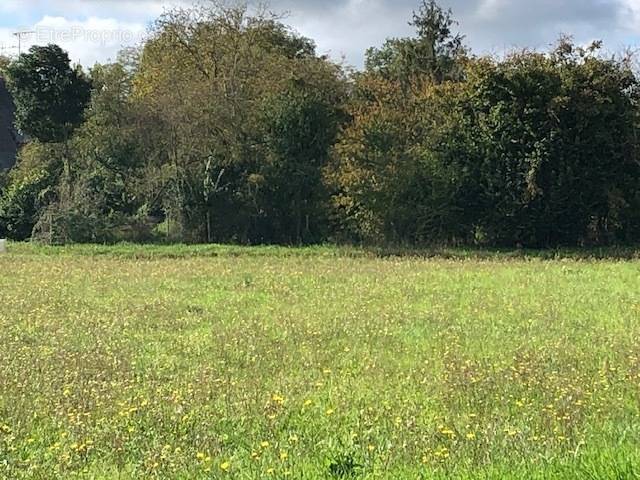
(182, 251)
(501, 254)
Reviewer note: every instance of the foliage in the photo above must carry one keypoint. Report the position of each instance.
(211, 78)
(433, 55)
(4, 63)
(227, 126)
(49, 95)
(300, 128)
(30, 187)
(535, 150)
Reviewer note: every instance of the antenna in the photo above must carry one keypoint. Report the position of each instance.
(20, 35)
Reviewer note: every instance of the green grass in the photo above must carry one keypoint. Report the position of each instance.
(181, 362)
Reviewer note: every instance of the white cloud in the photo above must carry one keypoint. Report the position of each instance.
(631, 15)
(341, 31)
(86, 8)
(340, 27)
(489, 9)
(88, 41)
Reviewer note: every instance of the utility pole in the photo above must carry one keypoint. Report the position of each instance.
(20, 35)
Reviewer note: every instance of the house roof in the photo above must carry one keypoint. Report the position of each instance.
(8, 135)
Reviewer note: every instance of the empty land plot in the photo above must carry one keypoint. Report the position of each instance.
(218, 362)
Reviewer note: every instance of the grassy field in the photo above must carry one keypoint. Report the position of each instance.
(218, 362)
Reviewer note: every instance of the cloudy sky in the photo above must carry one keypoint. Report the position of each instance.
(94, 30)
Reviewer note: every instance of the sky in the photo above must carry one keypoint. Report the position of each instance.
(95, 30)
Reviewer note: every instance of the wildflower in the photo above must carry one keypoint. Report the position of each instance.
(471, 436)
(442, 452)
(264, 444)
(225, 466)
(284, 456)
(447, 431)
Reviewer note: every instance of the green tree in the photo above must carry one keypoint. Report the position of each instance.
(433, 55)
(49, 95)
(4, 63)
(30, 186)
(203, 81)
(301, 127)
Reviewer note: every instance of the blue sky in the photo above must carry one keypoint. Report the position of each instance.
(94, 30)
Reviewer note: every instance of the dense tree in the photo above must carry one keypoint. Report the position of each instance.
(536, 149)
(4, 63)
(30, 188)
(558, 134)
(215, 80)
(227, 126)
(50, 96)
(433, 55)
(300, 127)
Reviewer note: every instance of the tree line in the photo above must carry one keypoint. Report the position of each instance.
(227, 126)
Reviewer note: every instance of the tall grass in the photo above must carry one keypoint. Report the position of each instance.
(131, 362)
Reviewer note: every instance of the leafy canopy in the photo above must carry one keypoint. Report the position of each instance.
(49, 95)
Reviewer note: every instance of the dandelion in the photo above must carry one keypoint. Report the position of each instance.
(447, 431)
(471, 436)
(284, 456)
(442, 452)
(225, 466)
(264, 444)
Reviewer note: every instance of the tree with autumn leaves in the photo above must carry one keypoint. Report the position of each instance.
(227, 126)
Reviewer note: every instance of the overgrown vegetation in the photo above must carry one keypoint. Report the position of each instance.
(227, 126)
(221, 362)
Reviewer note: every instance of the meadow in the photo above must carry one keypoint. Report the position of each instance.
(219, 362)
